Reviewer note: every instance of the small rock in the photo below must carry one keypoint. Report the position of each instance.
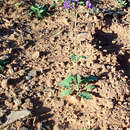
(15, 69)
(28, 77)
(82, 36)
(14, 116)
(27, 88)
(27, 104)
(11, 71)
(2, 112)
(73, 99)
(4, 57)
(109, 104)
(4, 83)
(36, 55)
(9, 104)
(21, 72)
(17, 102)
(23, 128)
(32, 73)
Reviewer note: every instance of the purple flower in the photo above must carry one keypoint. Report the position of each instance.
(88, 4)
(66, 4)
(75, 0)
(72, 6)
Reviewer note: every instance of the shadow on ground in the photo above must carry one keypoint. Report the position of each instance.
(103, 42)
(42, 114)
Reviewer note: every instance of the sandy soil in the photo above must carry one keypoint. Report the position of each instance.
(41, 49)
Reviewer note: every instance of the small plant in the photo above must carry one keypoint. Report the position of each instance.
(17, 5)
(122, 3)
(73, 84)
(41, 11)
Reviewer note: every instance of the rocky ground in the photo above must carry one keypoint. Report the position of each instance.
(38, 54)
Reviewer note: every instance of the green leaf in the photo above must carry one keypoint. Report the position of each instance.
(84, 57)
(84, 95)
(56, 1)
(66, 83)
(73, 58)
(81, 2)
(1, 67)
(89, 87)
(38, 15)
(65, 92)
(17, 4)
(33, 9)
(90, 79)
(74, 79)
(37, 5)
(53, 6)
(42, 10)
(79, 79)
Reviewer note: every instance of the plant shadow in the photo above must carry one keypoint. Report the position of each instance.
(103, 43)
(124, 64)
(42, 114)
(5, 31)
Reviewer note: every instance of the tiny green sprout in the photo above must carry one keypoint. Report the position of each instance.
(73, 58)
(38, 10)
(95, 11)
(41, 11)
(17, 5)
(122, 3)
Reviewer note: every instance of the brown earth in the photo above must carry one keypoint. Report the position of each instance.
(42, 48)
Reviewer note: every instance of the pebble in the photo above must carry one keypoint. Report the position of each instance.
(21, 72)
(32, 73)
(27, 104)
(11, 71)
(2, 112)
(23, 128)
(27, 88)
(28, 77)
(35, 55)
(4, 57)
(4, 83)
(14, 116)
(15, 69)
(17, 102)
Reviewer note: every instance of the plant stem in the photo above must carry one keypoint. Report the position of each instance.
(75, 42)
(76, 49)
